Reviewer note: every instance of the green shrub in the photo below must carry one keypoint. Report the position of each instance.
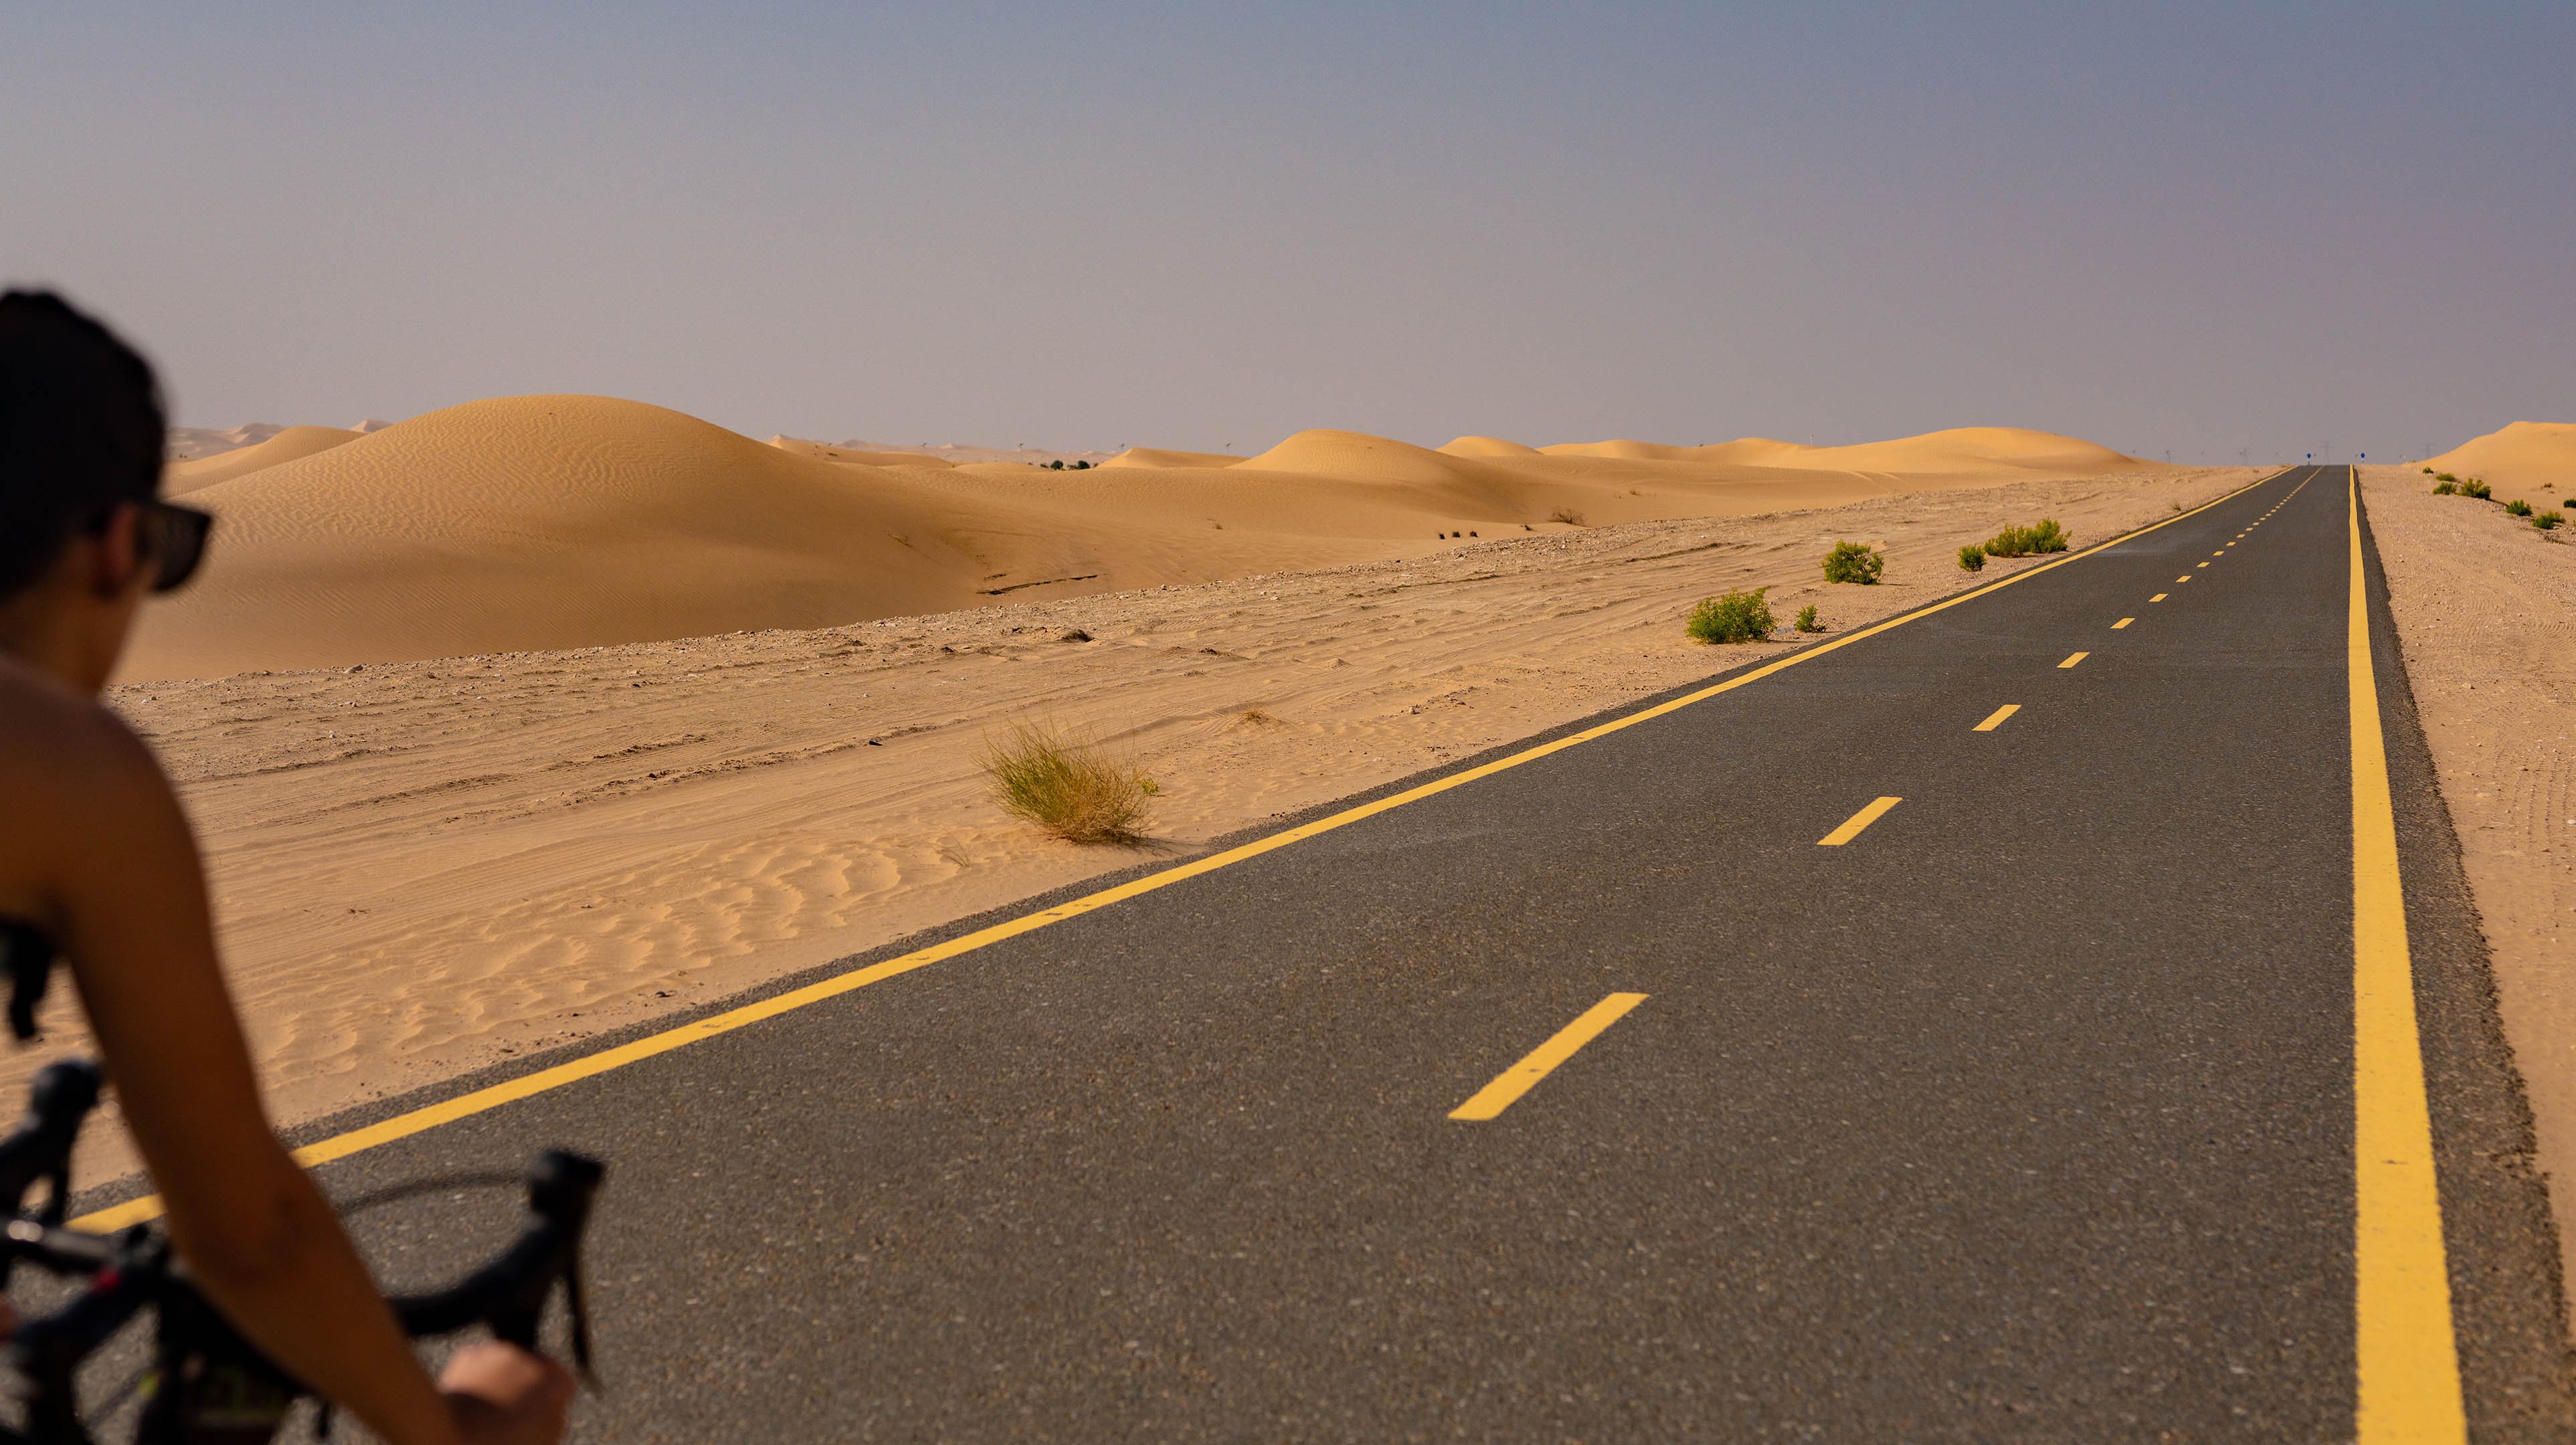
(2517, 508)
(2547, 520)
(2444, 477)
(1972, 558)
(2570, 502)
(2475, 488)
(1853, 562)
(2428, 471)
(1066, 786)
(2444, 489)
(1807, 615)
(1734, 617)
(2023, 541)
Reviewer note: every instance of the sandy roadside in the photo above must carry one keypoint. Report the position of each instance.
(425, 868)
(2483, 604)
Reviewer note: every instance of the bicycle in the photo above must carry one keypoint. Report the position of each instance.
(205, 1384)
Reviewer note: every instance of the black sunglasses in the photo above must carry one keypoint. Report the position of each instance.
(174, 537)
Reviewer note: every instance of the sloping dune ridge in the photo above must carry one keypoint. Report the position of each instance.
(535, 522)
(2539, 455)
(289, 444)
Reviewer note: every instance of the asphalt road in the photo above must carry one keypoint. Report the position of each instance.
(2025, 1114)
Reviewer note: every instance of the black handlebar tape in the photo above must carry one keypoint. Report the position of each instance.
(509, 1294)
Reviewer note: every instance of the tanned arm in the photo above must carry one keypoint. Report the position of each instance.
(261, 1240)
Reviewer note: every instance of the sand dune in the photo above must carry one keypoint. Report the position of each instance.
(570, 521)
(2536, 456)
(287, 444)
(1159, 457)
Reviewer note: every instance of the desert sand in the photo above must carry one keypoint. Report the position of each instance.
(2484, 603)
(2534, 457)
(568, 521)
(425, 867)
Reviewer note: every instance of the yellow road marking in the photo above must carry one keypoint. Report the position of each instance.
(2123, 622)
(466, 1105)
(1520, 1078)
(1852, 825)
(2180, 580)
(2221, 552)
(2407, 1360)
(2204, 564)
(2159, 597)
(1996, 718)
(2071, 661)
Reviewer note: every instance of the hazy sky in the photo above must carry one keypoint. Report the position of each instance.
(2194, 227)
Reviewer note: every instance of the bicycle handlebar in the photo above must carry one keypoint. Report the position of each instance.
(40, 1147)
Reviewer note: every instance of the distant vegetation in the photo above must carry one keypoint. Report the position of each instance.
(1807, 618)
(1061, 467)
(2547, 520)
(1733, 617)
(1854, 562)
(1066, 786)
(2045, 536)
(2517, 508)
(1972, 558)
(2445, 489)
(2444, 477)
(2475, 488)
(1567, 515)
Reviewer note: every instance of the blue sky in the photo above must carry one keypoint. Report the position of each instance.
(2195, 228)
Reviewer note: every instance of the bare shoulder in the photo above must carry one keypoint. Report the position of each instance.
(73, 777)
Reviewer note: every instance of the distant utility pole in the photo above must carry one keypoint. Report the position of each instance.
(2330, 453)
(2245, 456)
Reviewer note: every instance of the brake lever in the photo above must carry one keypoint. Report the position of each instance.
(27, 952)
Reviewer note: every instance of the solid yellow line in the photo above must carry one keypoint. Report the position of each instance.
(1852, 825)
(2407, 1360)
(466, 1105)
(2123, 622)
(2070, 662)
(1520, 1078)
(1996, 718)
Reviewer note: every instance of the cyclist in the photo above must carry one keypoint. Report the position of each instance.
(97, 856)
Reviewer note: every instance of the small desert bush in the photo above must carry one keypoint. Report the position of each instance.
(1807, 619)
(1067, 786)
(1972, 558)
(2517, 508)
(2445, 477)
(2570, 502)
(2043, 536)
(1733, 617)
(1853, 562)
(2428, 471)
(2547, 520)
(1567, 515)
(2445, 489)
(2478, 489)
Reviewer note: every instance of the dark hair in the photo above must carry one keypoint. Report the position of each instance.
(81, 430)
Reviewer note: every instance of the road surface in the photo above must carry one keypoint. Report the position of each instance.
(1949, 1036)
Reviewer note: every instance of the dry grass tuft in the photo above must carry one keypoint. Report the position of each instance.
(1567, 515)
(1067, 786)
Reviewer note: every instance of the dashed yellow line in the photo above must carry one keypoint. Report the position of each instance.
(1542, 1061)
(2178, 581)
(2159, 597)
(2123, 622)
(2071, 661)
(1852, 825)
(1996, 718)
(2407, 1359)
